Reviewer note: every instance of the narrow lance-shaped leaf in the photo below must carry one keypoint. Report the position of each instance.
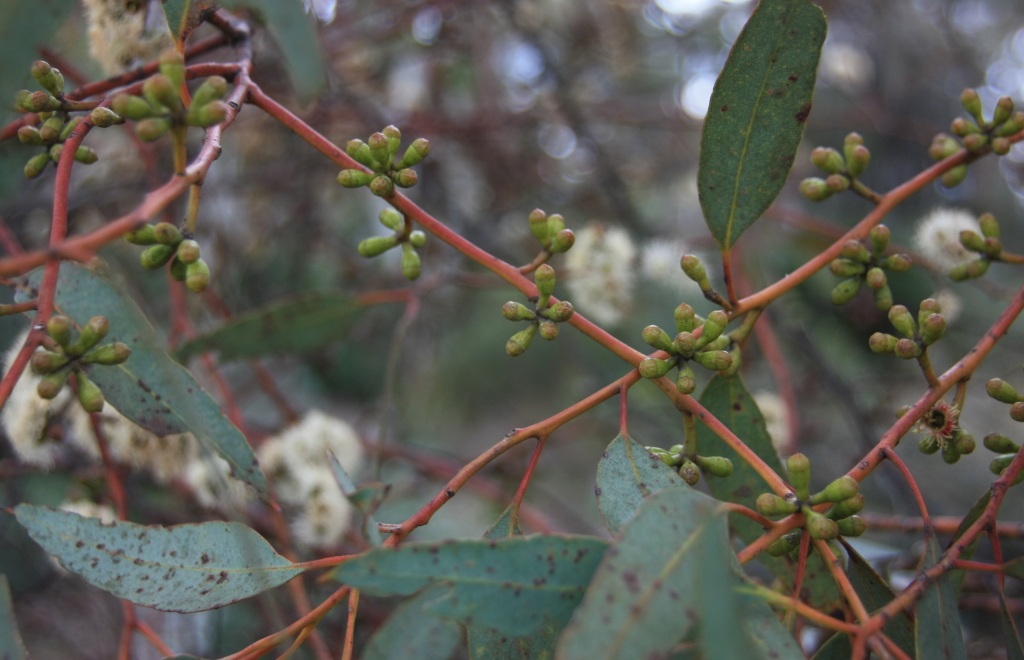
(411, 632)
(1014, 650)
(513, 585)
(938, 633)
(956, 577)
(11, 646)
(186, 568)
(626, 474)
(756, 115)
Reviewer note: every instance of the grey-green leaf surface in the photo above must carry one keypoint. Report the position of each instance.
(730, 402)
(937, 633)
(185, 568)
(513, 585)
(722, 635)
(1014, 650)
(294, 325)
(757, 114)
(643, 597)
(956, 576)
(626, 474)
(412, 632)
(11, 646)
(149, 388)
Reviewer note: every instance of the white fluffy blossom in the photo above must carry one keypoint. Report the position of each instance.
(938, 237)
(601, 275)
(846, 67)
(326, 513)
(89, 509)
(776, 419)
(659, 263)
(950, 304)
(214, 487)
(123, 33)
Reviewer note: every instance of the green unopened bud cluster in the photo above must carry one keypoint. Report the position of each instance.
(551, 232)
(1006, 448)
(976, 133)
(859, 265)
(987, 245)
(840, 519)
(841, 168)
(708, 350)
(161, 106)
(71, 353)
(380, 154)
(928, 329)
(542, 318)
(167, 244)
(404, 236)
(694, 269)
(1002, 391)
(690, 465)
(57, 124)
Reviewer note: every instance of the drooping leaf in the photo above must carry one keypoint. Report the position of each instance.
(875, 594)
(184, 16)
(1014, 650)
(511, 585)
(626, 474)
(489, 644)
(294, 325)
(757, 114)
(937, 632)
(956, 576)
(412, 632)
(730, 402)
(185, 568)
(11, 646)
(150, 389)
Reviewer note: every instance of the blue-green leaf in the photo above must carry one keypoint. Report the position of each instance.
(11, 646)
(938, 633)
(412, 632)
(626, 474)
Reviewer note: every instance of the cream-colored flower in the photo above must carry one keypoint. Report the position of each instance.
(308, 440)
(776, 419)
(949, 303)
(938, 237)
(89, 509)
(123, 33)
(659, 263)
(326, 513)
(601, 273)
(214, 487)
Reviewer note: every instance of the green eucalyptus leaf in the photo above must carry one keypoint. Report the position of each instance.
(937, 632)
(956, 576)
(412, 632)
(11, 646)
(185, 568)
(626, 475)
(1014, 650)
(757, 114)
(184, 16)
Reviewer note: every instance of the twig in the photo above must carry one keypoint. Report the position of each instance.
(911, 482)
(350, 627)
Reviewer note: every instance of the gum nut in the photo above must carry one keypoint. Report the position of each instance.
(1000, 463)
(837, 183)
(1017, 412)
(391, 219)
(655, 337)
(167, 233)
(1000, 444)
(520, 341)
(44, 362)
(30, 135)
(406, 178)
(197, 276)
(815, 189)
(188, 251)
(51, 384)
(879, 236)
(213, 88)
(548, 330)
(820, 527)
(371, 247)
(152, 129)
(178, 269)
(544, 277)
(410, 262)
(654, 368)
(354, 178)
(35, 165)
(902, 320)
(143, 235)
(694, 269)
(965, 443)
(841, 489)
(882, 343)
(59, 329)
(689, 472)
(686, 383)
(907, 349)
(928, 445)
(418, 239)
(89, 395)
(156, 256)
(875, 278)
(382, 186)
(852, 526)
(770, 504)
(108, 355)
(561, 311)
(847, 507)
(844, 292)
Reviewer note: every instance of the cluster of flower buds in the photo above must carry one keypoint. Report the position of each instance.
(987, 245)
(1006, 448)
(839, 519)
(70, 355)
(841, 171)
(915, 339)
(168, 244)
(1002, 391)
(976, 134)
(404, 236)
(551, 231)
(161, 106)
(690, 465)
(858, 265)
(542, 318)
(57, 125)
(379, 153)
(940, 429)
(709, 350)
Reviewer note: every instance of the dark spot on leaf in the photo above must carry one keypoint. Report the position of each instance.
(793, 78)
(597, 491)
(632, 583)
(724, 108)
(738, 407)
(205, 558)
(804, 113)
(79, 544)
(223, 577)
(539, 581)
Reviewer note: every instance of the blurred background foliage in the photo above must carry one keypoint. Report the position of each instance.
(588, 109)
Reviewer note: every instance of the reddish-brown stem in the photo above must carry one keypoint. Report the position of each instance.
(730, 284)
(777, 531)
(18, 308)
(1011, 258)
(326, 562)
(749, 513)
(8, 240)
(835, 568)
(303, 635)
(153, 638)
(124, 646)
(541, 258)
(801, 565)
(926, 368)
(803, 609)
(942, 524)
(517, 501)
(977, 566)
(911, 482)
(997, 554)
(117, 494)
(623, 411)
(350, 627)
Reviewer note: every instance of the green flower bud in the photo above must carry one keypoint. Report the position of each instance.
(391, 219)
(735, 360)
(86, 156)
(950, 454)
(188, 251)
(514, 311)
(686, 382)
(44, 362)
(92, 333)
(69, 128)
(964, 442)
(845, 291)
(417, 239)
(689, 472)
(394, 137)
(150, 130)
(800, 475)
(784, 545)
(178, 269)
(55, 152)
(841, 489)
(30, 135)
(908, 349)
(933, 329)
(928, 307)
(879, 236)
(686, 318)
(562, 241)
(143, 235)
(714, 326)
(544, 277)
(837, 183)
(854, 251)
(694, 269)
(1012, 125)
(685, 344)
(40, 102)
(360, 152)
(167, 233)
(133, 107)
(717, 466)
(815, 189)
(410, 262)
(847, 507)
(961, 127)
(655, 368)
(820, 527)
(156, 256)
(827, 159)
(378, 144)
(928, 445)
(876, 278)
(975, 142)
(841, 267)
(548, 330)
(105, 117)
(858, 161)
(35, 165)
(970, 270)
(406, 178)
(556, 224)
(197, 276)
(883, 298)
(162, 93)
(714, 360)
(538, 224)
(676, 449)
(371, 247)
(172, 65)
(415, 154)
(1000, 444)
(658, 338)
(989, 225)
(1000, 463)
(882, 343)
(670, 459)
(1003, 111)
(213, 88)
(770, 504)
(897, 263)
(972, 103)
(108, 355)
(205, 116)
(560, 312)
(852, 526)
(902, 320)
(992, 247)
(520, 341)
(51, 128)
(1001, 146)
(721, 344)
(972, 241)
(355, 178)
(382, 186)
(51, 384)
(1000, 390)
(954, 177)
(89, 395)
(48, 78)
(59, 329)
